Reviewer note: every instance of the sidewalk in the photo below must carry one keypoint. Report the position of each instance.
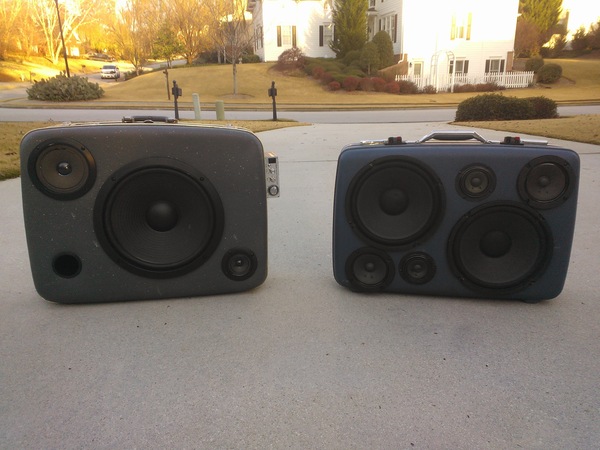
(301, 362)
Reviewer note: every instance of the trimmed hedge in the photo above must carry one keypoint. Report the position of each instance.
(64, 89)
(549, 73)
(500, 107)
(543, 107)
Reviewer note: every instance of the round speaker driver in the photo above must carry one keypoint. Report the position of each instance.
(501, 246)
(395, 202)
(63, 170)
(546, 182)
(159, 218)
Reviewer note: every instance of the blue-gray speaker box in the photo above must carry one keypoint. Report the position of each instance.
(485, 220)
(143, 210)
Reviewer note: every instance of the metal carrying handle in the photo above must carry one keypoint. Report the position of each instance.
(453, 136)
(148, 119)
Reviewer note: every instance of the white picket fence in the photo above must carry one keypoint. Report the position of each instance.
(443, 82)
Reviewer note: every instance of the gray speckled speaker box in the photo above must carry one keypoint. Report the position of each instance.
(135, 211)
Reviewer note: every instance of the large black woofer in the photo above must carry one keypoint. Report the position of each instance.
(158, 217)
(500, 248)
(395, 201)
(369, 269)
(64, 169)
(546, 182)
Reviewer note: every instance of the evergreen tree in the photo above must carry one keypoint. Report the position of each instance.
(369, 58)
(350, 26)
(385, 49)
(543, 15)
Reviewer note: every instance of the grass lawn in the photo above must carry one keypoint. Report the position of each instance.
(581, 83)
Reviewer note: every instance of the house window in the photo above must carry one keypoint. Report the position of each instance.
(462, 67)
(286, 36)
(389, 24)
(418, 68)
(371, 4)
(325, 34)
(494, 65)
(461, 26)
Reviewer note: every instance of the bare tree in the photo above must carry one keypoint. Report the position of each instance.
(10, 11)
(230, 31)
(134, 29)
(190, 19)
(73, 16)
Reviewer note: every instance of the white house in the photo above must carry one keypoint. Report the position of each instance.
(282, 24)
(436, 42)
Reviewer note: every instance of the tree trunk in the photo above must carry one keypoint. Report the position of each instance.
(235, 88)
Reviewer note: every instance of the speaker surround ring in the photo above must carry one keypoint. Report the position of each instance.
(63, 169)
(395, 202)
(500, 248)
(546, 182)
(158, 217)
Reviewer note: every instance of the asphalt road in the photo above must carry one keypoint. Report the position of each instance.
(337, 117)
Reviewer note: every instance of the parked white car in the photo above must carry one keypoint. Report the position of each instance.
(110, 71)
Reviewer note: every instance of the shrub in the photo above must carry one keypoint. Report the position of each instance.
(488, 87)
(458, 88)
(291, 59)
(479, 87)
(64, 89)
(326, 78)
(494, 107)
(429, 89)
(407, 87)
(250, 59)
(534, 64)
(351, 57)
(318, 72)
(543, 107)
(549, 73)
(366, 84)
(378, 84)
(351, 83)
(392, 87)
(334, 86)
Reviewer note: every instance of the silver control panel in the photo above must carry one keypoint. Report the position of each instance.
(272, 174)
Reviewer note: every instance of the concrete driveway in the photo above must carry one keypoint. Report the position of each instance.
(301, 362)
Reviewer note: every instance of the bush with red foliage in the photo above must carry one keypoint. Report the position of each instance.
(378, 84)
(393, 87)
(318, 72)
(351, 83)
(366, 84)
(334, 86)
